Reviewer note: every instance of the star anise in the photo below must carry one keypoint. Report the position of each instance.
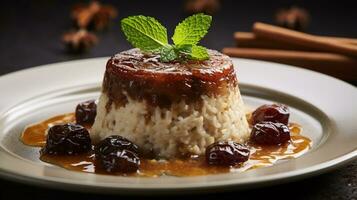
(205, 6)
(93, 15)
(293, 18)
(79, 41)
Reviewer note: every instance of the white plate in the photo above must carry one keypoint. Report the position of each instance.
(324, 106)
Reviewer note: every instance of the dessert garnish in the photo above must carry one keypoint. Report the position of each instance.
(226, 153)
(295, 18)
(147, 34)
(118, 154)
(273, 113)
(67, 139)
(68, 145)
(282, 45)
(79, 41)
(270, 124)
(270, 133)
(93, 15)
(204, 6)
(86, 112)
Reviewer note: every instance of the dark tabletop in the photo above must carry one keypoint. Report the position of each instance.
(30, 33)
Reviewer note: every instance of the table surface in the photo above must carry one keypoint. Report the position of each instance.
(30, 35)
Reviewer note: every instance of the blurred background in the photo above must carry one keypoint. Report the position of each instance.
(31, 32)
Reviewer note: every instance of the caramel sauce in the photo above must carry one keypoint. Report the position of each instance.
(261, 156)
(35, 135)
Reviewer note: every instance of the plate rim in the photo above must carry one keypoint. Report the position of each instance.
(270, 180)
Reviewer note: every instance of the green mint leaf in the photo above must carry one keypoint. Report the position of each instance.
(145, 33)
(184, 49)
(193, 52)
(192, 29)
(199, 53)
(168, 53)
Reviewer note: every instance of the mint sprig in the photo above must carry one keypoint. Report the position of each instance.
(192, 29)
(199, 53)
(168, 53)
(147, 34)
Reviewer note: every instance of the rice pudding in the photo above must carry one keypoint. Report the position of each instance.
(171, 109)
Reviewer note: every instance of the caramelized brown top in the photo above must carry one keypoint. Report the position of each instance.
(144, 77)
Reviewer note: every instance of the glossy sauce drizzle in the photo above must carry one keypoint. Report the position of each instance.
(35, 135)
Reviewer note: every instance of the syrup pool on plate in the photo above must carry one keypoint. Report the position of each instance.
(261, 156)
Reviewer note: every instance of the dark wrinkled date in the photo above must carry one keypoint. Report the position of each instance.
(67, 139)
(118, 154)
(226, 153)
(272, 113)
(115, 142)
(269, 133)
(86, 112)
(123, 161)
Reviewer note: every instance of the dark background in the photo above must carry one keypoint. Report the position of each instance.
(30, 35)
(30, 31)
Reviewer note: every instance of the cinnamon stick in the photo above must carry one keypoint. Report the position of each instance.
(342, 39)
(340, 66)
(249, 40)
(288, 36)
